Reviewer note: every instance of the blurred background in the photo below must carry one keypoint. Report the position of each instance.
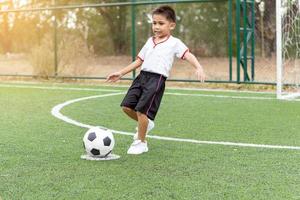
(91, 38)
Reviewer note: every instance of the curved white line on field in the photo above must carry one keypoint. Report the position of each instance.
(169, 93)
(56, 109)
(56, 113)
(34, 86)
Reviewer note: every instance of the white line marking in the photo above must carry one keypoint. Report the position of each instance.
(59, 88)
(221, 96)
(56, 110)
(168, 93)
(202, 89)
(168, 88)
(220, 90)
(56, 113)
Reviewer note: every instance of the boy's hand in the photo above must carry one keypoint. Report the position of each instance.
(200, 74)
(199, 70)
(113, 77)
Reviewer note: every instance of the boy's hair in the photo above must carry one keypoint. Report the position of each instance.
(166, 11)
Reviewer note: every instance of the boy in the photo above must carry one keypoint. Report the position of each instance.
(143, 98)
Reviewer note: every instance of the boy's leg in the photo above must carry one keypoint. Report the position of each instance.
(150, 126)
(131, 99)
(140, 146)
(130, 112)
(142, 126)
(152, 86)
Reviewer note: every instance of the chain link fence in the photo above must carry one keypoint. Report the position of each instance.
(265, 34)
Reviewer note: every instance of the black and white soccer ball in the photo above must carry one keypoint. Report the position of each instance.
(98, 142)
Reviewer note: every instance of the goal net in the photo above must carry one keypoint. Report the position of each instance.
(288, 48)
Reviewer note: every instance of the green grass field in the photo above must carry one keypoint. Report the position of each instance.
(40, 154)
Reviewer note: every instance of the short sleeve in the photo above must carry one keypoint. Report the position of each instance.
(143, 51)
(180, 49)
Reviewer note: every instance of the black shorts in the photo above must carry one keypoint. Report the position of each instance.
(145, 93)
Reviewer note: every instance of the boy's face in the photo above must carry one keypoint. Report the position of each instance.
(161, 27)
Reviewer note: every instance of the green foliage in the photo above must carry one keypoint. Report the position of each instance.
(108, 29)
(98, 37)
(204, 27)
(111, 26)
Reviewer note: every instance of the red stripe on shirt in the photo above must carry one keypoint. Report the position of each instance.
(182, 57)
(155, 44)
(140, 58)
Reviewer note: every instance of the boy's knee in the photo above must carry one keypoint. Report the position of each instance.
(126, 109)
(139, 114)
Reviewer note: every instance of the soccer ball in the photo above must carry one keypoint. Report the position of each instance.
(98, 142)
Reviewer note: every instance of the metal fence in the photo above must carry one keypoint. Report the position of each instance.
(91, 40)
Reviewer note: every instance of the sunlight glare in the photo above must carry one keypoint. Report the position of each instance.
(20, 2)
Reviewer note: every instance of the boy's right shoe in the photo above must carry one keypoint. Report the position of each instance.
(138, 147)
(149, 128)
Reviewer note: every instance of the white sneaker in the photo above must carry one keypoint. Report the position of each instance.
(149, 128)
(138, 147)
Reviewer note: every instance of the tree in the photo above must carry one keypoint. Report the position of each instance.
(115, 19)
(5, 40)
(269, 29)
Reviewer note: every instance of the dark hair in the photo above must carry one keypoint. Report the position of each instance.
(166, 11)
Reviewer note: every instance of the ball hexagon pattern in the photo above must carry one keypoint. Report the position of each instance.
(98, 142)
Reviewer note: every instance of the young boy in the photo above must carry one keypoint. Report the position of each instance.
(143, 98)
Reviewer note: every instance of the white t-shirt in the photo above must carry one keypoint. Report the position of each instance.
(158, 58)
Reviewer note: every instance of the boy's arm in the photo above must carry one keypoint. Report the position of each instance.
(194, 62)
(113, 77)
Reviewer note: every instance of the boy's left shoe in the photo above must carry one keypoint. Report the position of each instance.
(138, 147)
